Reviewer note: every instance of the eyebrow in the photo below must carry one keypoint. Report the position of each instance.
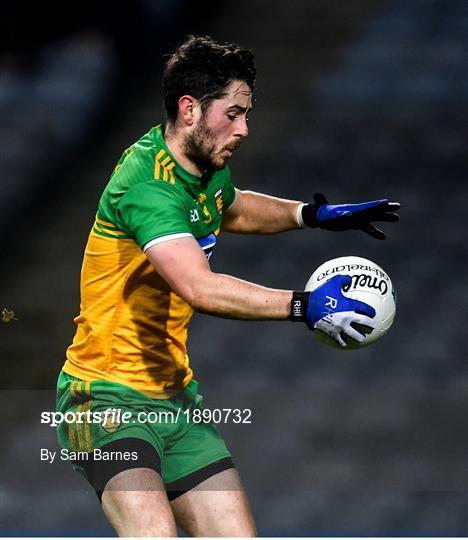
(239, 108)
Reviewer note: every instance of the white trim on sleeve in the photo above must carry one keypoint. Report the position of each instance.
(166, 238)
(234, 200)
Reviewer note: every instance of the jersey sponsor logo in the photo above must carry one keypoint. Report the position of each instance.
(219, 201)
(194, 216)
(206, 215)
(207, 243)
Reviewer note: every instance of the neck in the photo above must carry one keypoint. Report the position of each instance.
(175, 142)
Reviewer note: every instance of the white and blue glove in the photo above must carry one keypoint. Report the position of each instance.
(342, 217)
(326, 309)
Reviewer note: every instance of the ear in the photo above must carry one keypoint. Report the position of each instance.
(186, 109)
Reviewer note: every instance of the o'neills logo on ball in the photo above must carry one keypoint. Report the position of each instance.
(373, 278)
(111, 419)
(367, 281)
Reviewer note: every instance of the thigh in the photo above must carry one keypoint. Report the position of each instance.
(217, 506)
(135, 503)
(195, 450)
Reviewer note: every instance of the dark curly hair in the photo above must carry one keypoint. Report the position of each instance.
(203, 68)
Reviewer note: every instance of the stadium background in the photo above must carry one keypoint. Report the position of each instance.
(358, 99)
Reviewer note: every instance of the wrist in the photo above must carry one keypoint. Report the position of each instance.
(299, 218)
(299, 305)
(309, 215)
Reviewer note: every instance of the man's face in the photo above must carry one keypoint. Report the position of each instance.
(220, 129)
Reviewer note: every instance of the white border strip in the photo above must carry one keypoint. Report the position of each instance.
(166, 238)
(299, 219)
(213, 244)
(235, 198)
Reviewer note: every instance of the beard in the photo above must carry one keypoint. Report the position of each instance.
(200, 146)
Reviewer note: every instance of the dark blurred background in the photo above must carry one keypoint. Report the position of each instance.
(358, 99)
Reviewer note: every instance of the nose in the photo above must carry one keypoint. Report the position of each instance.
(242, 130)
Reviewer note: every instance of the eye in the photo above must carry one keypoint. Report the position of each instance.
(231, 117)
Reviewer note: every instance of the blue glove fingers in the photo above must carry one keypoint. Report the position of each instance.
(329, 298)
(357, 305)
(333, 211)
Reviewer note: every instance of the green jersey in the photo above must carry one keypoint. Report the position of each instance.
(132, 328)
(179, 203)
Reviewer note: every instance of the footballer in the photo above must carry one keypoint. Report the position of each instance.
(146, 270)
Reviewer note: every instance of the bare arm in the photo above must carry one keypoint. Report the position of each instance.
(183, 265)
(261, 214)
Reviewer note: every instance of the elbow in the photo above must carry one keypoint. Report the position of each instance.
(198, 305)
(200, 301)
(196, 296)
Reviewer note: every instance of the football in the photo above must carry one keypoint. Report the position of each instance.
(369, 284)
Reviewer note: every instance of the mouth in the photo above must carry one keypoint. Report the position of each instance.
(231, 149)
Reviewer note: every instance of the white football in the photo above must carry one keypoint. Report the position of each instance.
(369, 284)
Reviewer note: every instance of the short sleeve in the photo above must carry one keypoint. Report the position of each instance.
(229, 191)
(152, 209)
